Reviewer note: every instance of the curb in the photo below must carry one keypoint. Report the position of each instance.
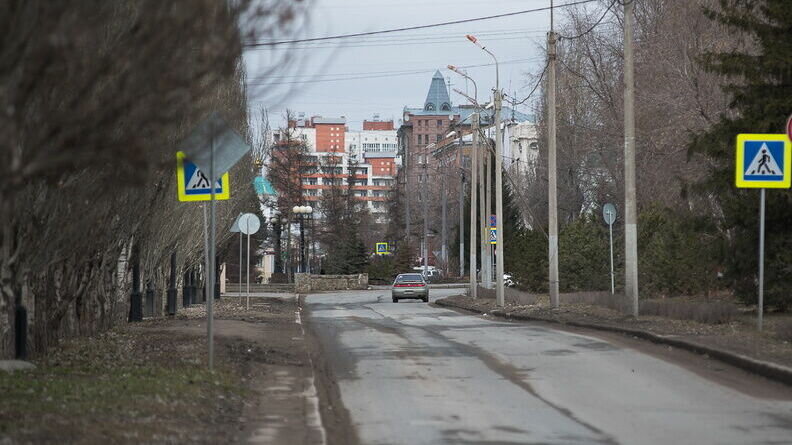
(772, 371)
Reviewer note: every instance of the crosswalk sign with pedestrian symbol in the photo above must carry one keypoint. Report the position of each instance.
(193, 184)
(763, 161)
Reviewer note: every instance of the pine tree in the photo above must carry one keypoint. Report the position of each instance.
(759, 81)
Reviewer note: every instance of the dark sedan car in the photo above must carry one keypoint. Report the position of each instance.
(410, 285)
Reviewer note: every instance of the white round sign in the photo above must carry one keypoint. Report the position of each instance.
(249, 223)
(609, 213)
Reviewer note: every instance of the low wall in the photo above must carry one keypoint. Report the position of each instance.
(305, 283)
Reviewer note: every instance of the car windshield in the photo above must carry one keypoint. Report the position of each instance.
(408, 277)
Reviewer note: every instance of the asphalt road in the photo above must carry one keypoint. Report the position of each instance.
(410, 373)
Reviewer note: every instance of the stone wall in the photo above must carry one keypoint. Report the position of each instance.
(305, 283)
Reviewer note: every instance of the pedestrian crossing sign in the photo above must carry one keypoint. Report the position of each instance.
(763, 161)
(382, 249)
(493, 238)
(193, 185)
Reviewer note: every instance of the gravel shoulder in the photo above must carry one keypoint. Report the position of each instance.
(738, 337)
(148, 383)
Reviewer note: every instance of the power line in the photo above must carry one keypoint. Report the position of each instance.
(411, 28)
(372, 75)
(592, 26)
(514, 101)
(391, 42)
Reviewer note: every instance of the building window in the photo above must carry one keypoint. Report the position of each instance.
(439, 123)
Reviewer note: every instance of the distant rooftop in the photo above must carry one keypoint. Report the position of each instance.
(329, 120)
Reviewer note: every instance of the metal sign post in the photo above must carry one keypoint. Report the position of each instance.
(248, 224)
(763, 161)
(609, 213)
(199, 150)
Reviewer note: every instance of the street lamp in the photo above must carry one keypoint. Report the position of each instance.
(464, 74)
(499, 296)
(302, 211)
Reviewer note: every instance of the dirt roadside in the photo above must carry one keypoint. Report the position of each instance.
(733, 345)
(148, 383)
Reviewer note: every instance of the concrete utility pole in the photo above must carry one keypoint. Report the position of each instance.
(425, 196)
(474, 165)
(461, 202)
(499, 291)
(406, 150)
(630, 213)
(483, 155)
(488, 211)
(552, 191)
(444, 229)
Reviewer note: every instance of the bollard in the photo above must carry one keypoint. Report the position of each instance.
(186, 290)
(217, 278)
(193, 287)
(171, 294)
(136, 299)
(149, 300)
(20, 332)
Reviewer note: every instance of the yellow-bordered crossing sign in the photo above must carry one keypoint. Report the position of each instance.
(193, 185)
(763, 161)
(382, 249)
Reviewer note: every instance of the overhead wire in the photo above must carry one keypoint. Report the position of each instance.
(371, 75)
(592, 26)
(411, 28)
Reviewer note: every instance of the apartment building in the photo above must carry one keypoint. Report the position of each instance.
(366, 159)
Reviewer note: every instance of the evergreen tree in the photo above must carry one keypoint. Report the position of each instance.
(759, 81)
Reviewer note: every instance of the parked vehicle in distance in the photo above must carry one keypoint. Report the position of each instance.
(410, 285)
(432, 273)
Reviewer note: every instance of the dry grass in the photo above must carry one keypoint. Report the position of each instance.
(783, 330)
(702, 312)
(511, 295)
(604, 299)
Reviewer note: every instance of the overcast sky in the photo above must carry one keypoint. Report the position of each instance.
(394, 70)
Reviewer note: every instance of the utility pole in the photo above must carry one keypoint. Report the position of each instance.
(551, 165)
(425, 196)
(630, 213)
(488, 212)
(406, 150)
(499, 291)
(483, 167)
(474, 165)
(444, 229)
(461, 202)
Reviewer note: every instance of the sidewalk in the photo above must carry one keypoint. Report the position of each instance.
(734, 343)
(148, 383)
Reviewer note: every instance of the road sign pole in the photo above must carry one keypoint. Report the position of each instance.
(613, 278)
(210, 276)
(240, 267)
(247, 269)
(760, 309)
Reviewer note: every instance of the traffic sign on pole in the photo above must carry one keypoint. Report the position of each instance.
(193, 184)
(609, 214)
(763, 161)
(493, 235)
(382, 249)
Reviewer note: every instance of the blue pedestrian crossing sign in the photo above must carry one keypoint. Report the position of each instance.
(763, 161)
(193, 184)
(382, 249)
(493, 238)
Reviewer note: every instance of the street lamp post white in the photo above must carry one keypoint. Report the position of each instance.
(499, 296)
(302, 211)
